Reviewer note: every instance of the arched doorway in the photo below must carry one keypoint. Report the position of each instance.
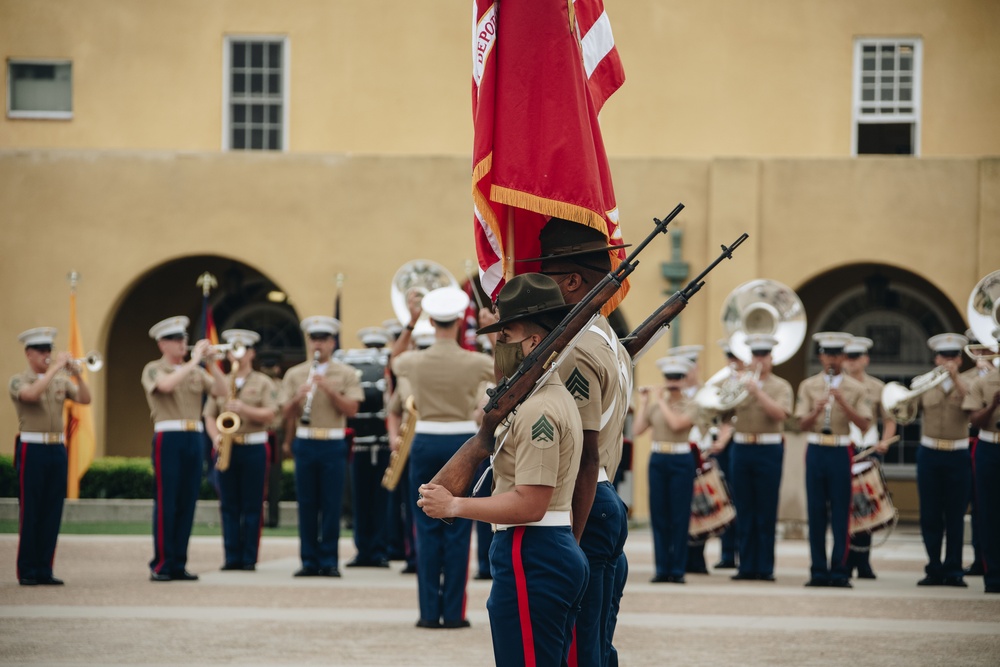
(245, 298)
(899, 310)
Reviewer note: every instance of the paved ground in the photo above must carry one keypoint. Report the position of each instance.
(110, 614)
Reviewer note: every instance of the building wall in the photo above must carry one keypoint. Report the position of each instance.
(704, 79)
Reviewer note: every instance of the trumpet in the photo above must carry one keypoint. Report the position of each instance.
(900, 402)
(93, 362)
(238, 349)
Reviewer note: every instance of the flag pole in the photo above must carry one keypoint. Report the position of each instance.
(508, 267)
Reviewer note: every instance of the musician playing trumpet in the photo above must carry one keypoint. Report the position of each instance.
(827, 402)
(253, 398)
(332, 392)
(39, 451)
(757, 452)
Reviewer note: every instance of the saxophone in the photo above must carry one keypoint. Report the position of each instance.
(228, 424)
(398, 459)
(306, 417)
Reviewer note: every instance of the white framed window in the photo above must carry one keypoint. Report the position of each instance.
(255, 93)
(886, 105)
(39, 88)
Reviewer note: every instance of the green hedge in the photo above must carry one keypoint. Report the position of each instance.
(122, 477)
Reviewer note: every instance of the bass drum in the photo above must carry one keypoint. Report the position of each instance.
(369, 424)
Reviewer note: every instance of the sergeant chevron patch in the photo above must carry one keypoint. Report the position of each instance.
(542, 430)
(578, 385)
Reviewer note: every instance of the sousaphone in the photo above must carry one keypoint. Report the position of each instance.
(421, 275)
(764, 307)
(983, 313)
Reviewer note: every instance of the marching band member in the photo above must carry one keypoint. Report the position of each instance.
(982, 367)
(944, 466)
(670, 414)
(827, 402)
(598, 374)
(401, 501)
(445, 379)
(175, 391)
(40, 458)
(722, 454)
(856, 360)
(320, 395)
(983, 406)
(539, 571)
(757, 451)
(241, 485)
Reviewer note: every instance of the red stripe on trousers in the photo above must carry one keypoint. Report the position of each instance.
(160, 549)
(523, 612)
(20, 505)
(572, 659)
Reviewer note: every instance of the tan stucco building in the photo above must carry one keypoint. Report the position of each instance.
(751, 114)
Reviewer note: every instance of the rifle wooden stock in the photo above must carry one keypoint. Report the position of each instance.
(654, 326)
(457, 474)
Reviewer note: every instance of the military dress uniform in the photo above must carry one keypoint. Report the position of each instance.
(598, 374)
(400, 519)
(178, 448)
(40, 461)
(976, 569)
(828, 470)
(671, 483)
(944, 472)
(242, 484)
(445, 379)
(320, 450)
(757, 460)
(987, 467)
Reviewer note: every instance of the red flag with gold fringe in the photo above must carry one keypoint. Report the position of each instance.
(538, 150)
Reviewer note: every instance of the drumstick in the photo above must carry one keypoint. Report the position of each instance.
(865, 453)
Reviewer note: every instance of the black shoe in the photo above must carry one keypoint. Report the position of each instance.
(992, 588)
(361, 562)
(249, 567)
(483, 576)
(974, 570)
(957, 582)
(27, 581)
(329, 572)
(817, 583)
(676, 580)
(464, 623)
(50, 581)
(765, 577)
(231, 566)
(428, 624)
(931, 580)
(409, 569)
(867, 573)
(725, 565)
(697, 570)
(184, 575)
(661, 579)
(743, 576)
(307, 572)
(840, 583)
(160, 576)
(380, 563)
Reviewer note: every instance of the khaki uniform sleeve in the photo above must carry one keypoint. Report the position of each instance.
(72, 390)
(14, 386)
(804, 403)
(211, 409)
(351, 388)
(150, 374)
(403, 364)
(583, 381)
(783, 397)
(269, 394)
(537, 434)
(976, 398)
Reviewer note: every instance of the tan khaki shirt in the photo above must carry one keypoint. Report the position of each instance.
(258, 391)
(813, 390)
(324, 414)
(398, 398)
(658, 422)
(445, 380)
(750, 416)
(873, 390)
(943, 416)
(45, 416)
(599, 377)
(542, 446)
(980, 394)
(184, 402)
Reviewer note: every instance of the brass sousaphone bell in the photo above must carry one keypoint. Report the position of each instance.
(421, 275)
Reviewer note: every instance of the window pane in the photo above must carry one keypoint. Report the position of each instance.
(888, 63)
(274, 55)
(905, 94)
(238, 138)
(868, 48)
(274, 84)
(239, 113)
(868, 63)
(886, 95)
(239, 54)
(41, 86)
(239, 83)
(256, 55)
(906, 63)
(256, 83)
(868, 94)
(256, 139)
(274, 140)
(257, 113)
(274, 113)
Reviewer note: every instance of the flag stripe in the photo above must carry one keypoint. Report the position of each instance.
(597, 43)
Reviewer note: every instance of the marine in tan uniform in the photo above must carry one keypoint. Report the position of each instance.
(40, 452)
(827, 403)
(175, 390)
(319, 395)
(982, 367)
(598, 373)
(539, 571)
(670, 414)
(254, 399)
(445, 380)
(856, 360)
(757, 450)
(983, 407)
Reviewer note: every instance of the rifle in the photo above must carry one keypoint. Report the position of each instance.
(650, 331)
(457, 473)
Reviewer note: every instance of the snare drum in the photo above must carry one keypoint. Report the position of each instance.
(871, 506)
(712, 511)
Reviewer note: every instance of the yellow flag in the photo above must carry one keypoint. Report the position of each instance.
(79, 422)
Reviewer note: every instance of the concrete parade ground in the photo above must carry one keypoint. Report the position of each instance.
(109, 613)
